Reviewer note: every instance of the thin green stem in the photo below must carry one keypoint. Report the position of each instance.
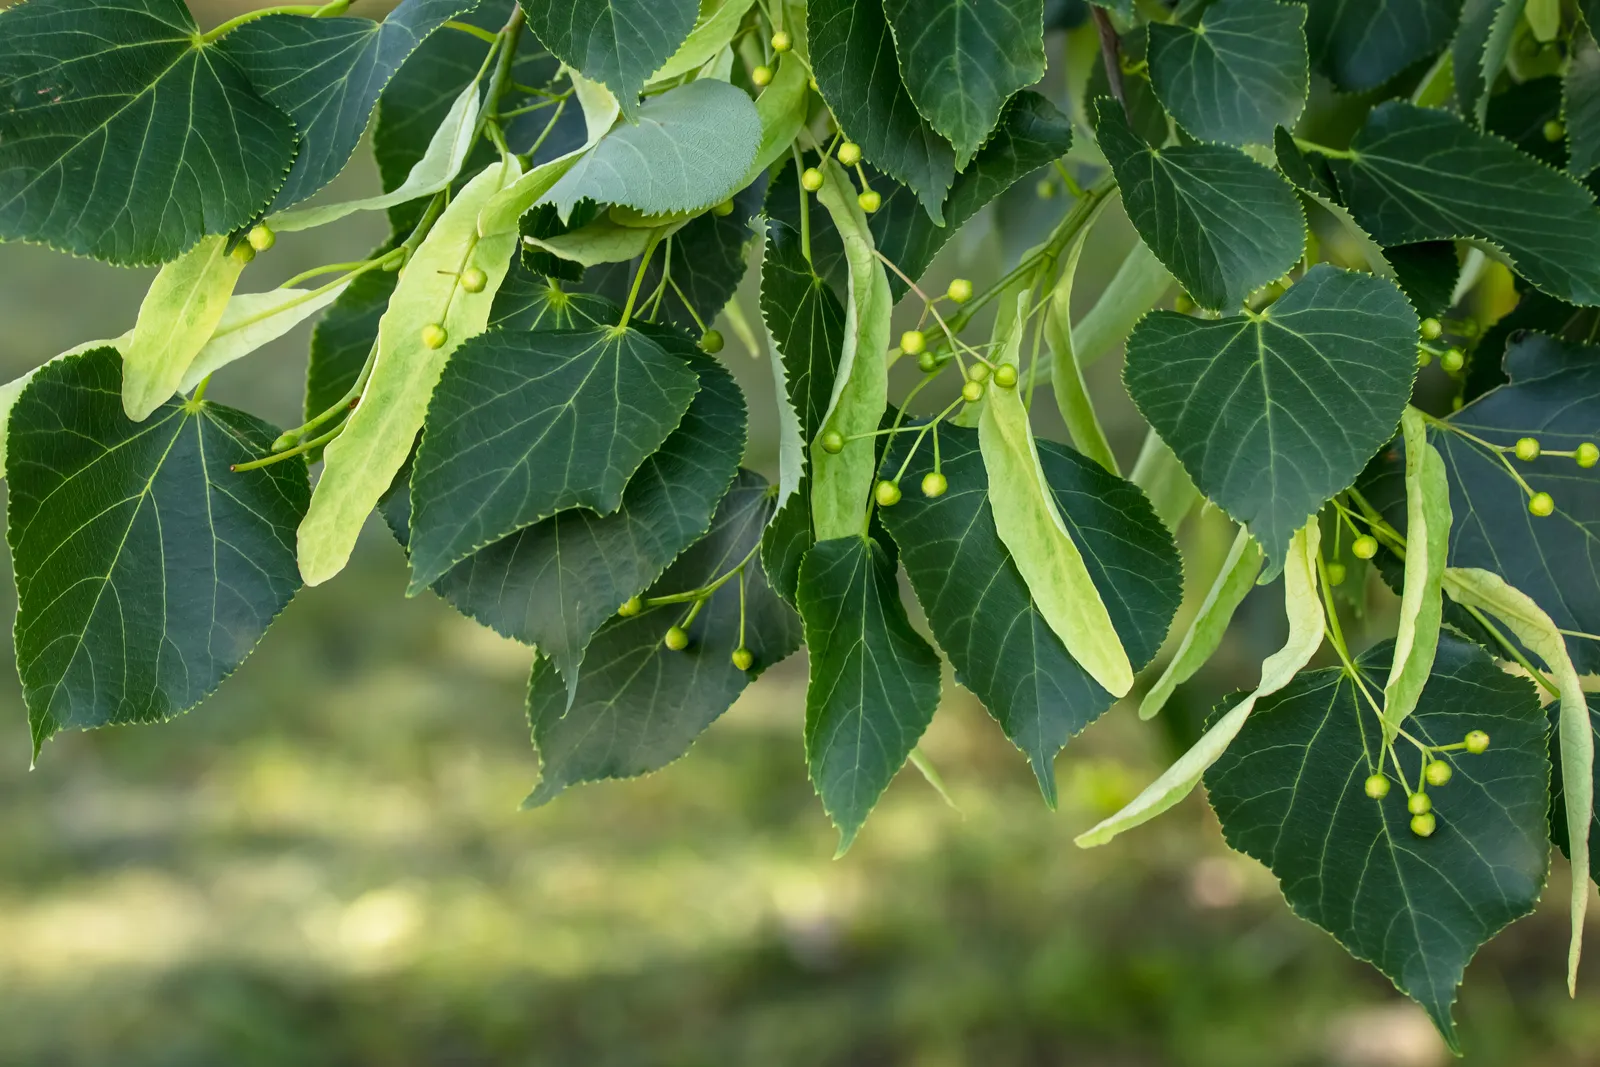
(200, 391)
(805, 205)
(476, 31)
(638, 279)
(338, 7)
(1511, 650)
(1323, 150)
(299, 450)
(331, 268)
(351, 395)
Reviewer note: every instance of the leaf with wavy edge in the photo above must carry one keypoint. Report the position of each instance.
(1241, 72)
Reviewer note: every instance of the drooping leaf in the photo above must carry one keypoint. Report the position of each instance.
(853, 59)
(978, 603)
(1222, 223)
(176, 319)
(961, 60)
(361, 464)
(1558, 799)
(618, 43)
(122, 137)
(146, 569)
(1238, 75)
(326, 74)
(1580, 104)
(525, 424)
(1362, 45)
(1553, 397)
(1307, 627)
(1032, 133)
(1422, 596)
(639, 705)
(1420, 174)
(1272, 414)
(1289, 792)
(1478, 53)
(874, 680)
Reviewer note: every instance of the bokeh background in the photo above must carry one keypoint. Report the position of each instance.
(325, 864)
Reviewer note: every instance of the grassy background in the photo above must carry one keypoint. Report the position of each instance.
(325, 863)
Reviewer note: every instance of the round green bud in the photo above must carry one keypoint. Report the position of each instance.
(811, 179)
(1005, 376)
(927, 363)
(1431, 329)
(1184, 304)
(1419, 804)
(833, 442)
(1453, 360)
(711, 342)
(913, 342)
(972, 392)
(960, 290)
(781, 43)
(1424, 357)
(1541, 504)
(812, 82)
(631, 607)
(1046, 189)
(934, 484)
(1364, 547)
(849, 153)
(1477, 742)
(1587, 454)
(724, 209)
(1527, 449)
(761, 77)
(1377, 786)
(434, 335)
(243, 252)
(1438, 772)
(1336, 573)
(886, 493)
(677, 639)
(870, 201)
(261, 237)
(1554, 130)
(978, 372)
(1425, 824)
(474, 280)
(743, 658)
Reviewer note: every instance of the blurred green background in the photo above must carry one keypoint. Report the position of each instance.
(325, 864)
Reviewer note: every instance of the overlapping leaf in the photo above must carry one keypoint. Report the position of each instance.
(853, 58)
(525, 424)
(618, 43)
(961, 60)
(1580, 104)
(640, 706)
(874, 680)
(1222, 223)
(529, 302)
(1478, 53)
(1362, 45)
(1289, 792)
(1272, 414)
(979, 606)
(1420, 174)
(124, 138)
(1238, 75)
(1558, 806)
(326, 74)
(146, 569)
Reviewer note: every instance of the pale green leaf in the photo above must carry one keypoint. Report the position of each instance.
(252, 320)
(717, 23)
(1422, 599)
(1066, 373)
(177, 318)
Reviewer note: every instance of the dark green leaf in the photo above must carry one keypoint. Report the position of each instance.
(1289, 792)
(961, 60)
(639, 705)
(1478, 53)
(827, 248)
(1558, 804)
(146, 569)
(342, 340)
(1032, 134)
(326, 74)
(122, 137)
(1426, 273)
(618, 43)
(1309, 174)
(1237, 76)
(1519, 113)
(542, 222)
(1580, 104)
(528, 302)
(1554, 397)
(978, 604)
(525, 424)
(1273, 414)
(787, 540)
(1424, 175)
(1222, 223)
(852, 55)
(1361, 45)
(874, 680)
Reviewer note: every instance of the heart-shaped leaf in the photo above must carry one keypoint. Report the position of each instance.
(1222, 223)
(125, 138)
(618, 43)
(1238, 75)
(1289, 792)
(1361, 46)
(1273, 413)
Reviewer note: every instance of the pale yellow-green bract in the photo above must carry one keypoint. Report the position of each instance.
(842, 483)
(1422, 598)
(1030, 525)
(713, 30)
(177, 318)
(1488, 592)
(1307, 626)
(361, 463)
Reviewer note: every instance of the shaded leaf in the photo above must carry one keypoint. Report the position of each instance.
(1238, 75)
(1362, 45)
(618, 43)
(1580, 104)
(527, 301)
(1478, 52)
(1426, 273)
(1558, 806)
